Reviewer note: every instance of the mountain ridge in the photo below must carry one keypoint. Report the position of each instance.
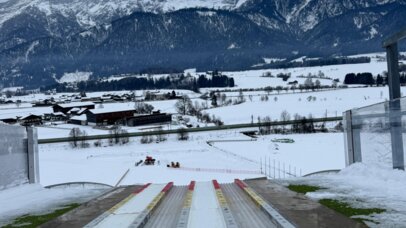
(40, 48)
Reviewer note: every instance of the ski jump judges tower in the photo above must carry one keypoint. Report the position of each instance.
(374, 126)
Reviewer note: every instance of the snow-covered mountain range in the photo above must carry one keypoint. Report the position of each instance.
(47, 38)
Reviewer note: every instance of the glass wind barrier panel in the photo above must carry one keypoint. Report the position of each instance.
(13, 156)
(381, 130)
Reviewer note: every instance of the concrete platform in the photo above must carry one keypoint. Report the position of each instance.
(85, 213)
(298, 209)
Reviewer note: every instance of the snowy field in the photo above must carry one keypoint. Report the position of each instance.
(330, 103)
(250, 79)
(223, 161)
(60, 163)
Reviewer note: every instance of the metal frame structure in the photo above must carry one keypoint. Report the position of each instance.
(395, 118)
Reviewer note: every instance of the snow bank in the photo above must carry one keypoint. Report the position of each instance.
(35, 199)
(366, 186)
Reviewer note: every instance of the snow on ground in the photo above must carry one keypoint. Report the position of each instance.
(35, 199)
(301, 155)
(254, 79)
(368, 186)
(11, 89)
(60, 163)
(333, 103)
(62, 96)
(22, 111)
(75, 77)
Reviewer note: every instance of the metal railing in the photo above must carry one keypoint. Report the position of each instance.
(191, 130)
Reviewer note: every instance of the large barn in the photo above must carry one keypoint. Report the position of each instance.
(108, 116)
(154, 118)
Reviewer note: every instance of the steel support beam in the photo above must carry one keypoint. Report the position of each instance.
(395, 120)
(352, 139)
(395, 38)
(393, 71)
(33, 159)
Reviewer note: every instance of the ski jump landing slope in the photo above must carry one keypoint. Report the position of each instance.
(251, 204)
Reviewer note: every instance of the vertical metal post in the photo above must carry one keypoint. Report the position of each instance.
(284, 172)
(395, 120)
(393, 71)
(349, 146)
(395, 117)
(33, 158)
(274, 169)
(269, 168)
(260, 161)
(352, 134)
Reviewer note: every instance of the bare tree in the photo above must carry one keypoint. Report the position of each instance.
(267, 125)
(83, 142)
(183, 134)
(241, 98)
(143, 108)
(184, 105)
(160, 136)
(285, 116)
(75, 134)
(124, 139)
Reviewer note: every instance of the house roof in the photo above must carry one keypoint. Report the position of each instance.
(75, 104)
(29, 115)
(111, 110)
(80, 118)
(58, 114)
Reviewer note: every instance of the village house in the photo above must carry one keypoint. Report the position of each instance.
(30, 120)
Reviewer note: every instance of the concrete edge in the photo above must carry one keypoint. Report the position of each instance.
(187, 203)
(273, 214)
(104, 215)
(225, 208)
(145, 215)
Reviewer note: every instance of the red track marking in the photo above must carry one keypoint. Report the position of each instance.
(167, 187)
(192, 185)
(240, 183)
(142, 188)
(216, 184)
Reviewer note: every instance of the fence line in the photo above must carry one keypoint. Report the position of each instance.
(214, 170)
(278, 170)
